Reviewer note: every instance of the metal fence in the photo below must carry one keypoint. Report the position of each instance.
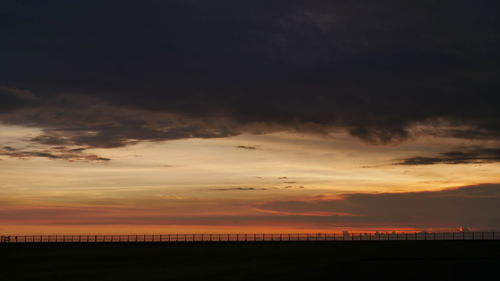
(251, 237)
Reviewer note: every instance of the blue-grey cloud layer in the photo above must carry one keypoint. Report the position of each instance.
(477, 206)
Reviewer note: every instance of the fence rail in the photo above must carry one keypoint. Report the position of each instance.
(250, 237)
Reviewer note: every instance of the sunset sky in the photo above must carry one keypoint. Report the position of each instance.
(249, 116)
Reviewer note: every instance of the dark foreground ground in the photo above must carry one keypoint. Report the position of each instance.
(391, 260)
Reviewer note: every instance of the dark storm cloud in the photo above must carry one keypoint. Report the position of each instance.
(374, 68)
(13, 98)
(478, 206)
(469, 156)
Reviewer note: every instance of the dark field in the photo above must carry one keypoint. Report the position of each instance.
(391, 260)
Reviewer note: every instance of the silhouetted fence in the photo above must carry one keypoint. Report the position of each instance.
(251, 237)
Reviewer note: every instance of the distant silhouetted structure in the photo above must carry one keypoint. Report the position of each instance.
(464, 228)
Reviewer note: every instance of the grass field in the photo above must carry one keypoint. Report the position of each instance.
(391, 260)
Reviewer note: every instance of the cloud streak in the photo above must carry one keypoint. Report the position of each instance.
(240, 189)
(469, 156)
(56, 153)
(246, 147)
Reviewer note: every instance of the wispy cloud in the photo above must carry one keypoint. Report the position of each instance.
(246, 147)
(55, 153)
(240, 188)
(467, 156)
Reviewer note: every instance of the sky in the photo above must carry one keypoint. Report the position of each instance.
(249, 116)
